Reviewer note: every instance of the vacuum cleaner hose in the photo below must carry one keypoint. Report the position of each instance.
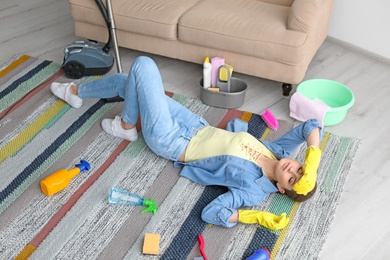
(103, 10)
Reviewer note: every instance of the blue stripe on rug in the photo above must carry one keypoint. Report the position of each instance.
(263, 238)
(187, 236)
(26, 77)
(256, 126)
(49, 151)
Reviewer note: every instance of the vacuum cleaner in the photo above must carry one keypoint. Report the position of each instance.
(86, 57)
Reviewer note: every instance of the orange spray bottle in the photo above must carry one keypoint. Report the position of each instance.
(60, 179)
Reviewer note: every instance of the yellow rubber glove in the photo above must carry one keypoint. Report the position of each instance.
(266, 219)
(309, 168)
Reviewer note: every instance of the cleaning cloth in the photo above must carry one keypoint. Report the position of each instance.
(216, 62)
(303, 108)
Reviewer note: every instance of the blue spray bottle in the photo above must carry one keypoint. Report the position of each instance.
(260, 254)
(123, 197)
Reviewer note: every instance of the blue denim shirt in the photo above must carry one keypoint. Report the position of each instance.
(247, 184)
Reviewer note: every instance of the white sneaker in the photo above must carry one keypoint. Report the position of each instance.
(62, 91)
(114, 127)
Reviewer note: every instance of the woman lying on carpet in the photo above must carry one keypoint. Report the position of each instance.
(249, 168)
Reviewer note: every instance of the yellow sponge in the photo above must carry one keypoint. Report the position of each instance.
(151, 244)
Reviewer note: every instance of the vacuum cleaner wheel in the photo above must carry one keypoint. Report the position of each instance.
(74, 69)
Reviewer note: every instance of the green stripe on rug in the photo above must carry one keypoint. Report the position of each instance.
(341, 154)
(134, 149)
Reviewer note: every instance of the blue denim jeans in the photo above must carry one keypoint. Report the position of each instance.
(167, 126)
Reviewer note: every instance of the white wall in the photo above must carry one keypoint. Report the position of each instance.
(362, 23)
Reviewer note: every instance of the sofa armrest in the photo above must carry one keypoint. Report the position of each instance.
(307, 15)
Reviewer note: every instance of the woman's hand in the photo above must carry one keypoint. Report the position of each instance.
(266, 219)
(309, 168)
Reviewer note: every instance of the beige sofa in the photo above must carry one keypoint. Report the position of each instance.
(273, 39)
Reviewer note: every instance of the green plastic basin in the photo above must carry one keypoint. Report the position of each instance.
(336, 95)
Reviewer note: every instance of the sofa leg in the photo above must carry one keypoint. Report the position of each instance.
(287, 87)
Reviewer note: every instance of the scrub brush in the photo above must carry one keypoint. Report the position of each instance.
(270, 119)
(201, 248)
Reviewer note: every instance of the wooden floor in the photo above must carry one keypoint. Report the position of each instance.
(361, 229)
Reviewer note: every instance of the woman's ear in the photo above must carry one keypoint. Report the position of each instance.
(281, 190)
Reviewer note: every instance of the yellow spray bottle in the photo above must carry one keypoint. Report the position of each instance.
(60, 179)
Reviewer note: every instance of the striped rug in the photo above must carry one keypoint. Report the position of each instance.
(40, 134)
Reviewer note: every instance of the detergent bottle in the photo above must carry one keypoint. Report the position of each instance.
(60, 179)
(206, 73)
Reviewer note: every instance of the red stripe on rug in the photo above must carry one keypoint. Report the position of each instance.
(37, 240)
(232, 113)
(169, 94)
(31, 94)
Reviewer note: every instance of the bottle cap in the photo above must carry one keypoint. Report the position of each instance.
(151, 206)
(83, 166)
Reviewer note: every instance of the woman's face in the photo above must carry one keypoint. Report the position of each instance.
(287, 173)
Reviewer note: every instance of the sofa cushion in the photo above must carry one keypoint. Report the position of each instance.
(157, 18)
(249, 27)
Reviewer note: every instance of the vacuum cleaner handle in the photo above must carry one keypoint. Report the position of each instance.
(107, 47)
